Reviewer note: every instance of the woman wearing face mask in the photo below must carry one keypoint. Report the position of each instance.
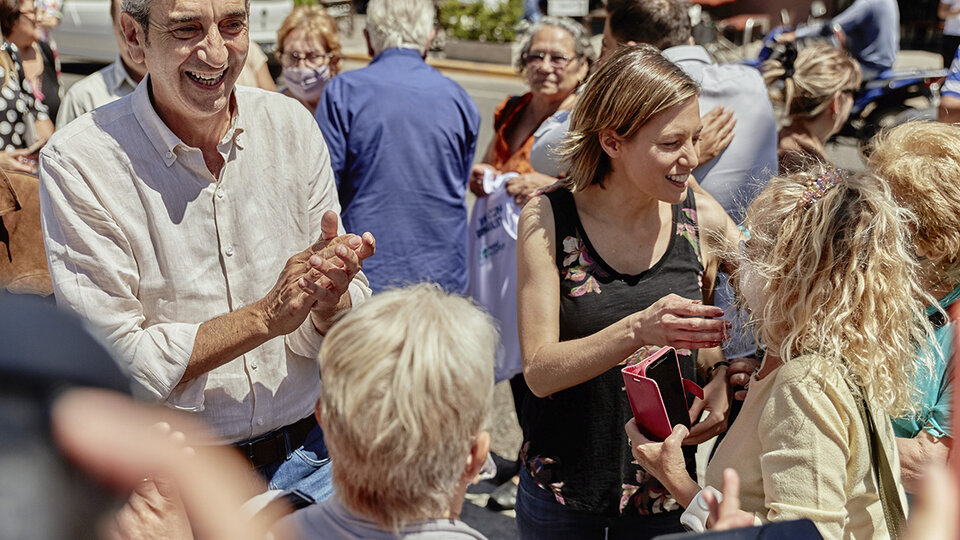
(309, 53)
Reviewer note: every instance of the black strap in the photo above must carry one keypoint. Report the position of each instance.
(886, 483)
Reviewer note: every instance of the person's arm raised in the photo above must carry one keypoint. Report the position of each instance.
(313, 282)
(550, 365)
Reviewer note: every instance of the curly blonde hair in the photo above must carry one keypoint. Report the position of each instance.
(819, 72)
(921, 162)
(839, 279)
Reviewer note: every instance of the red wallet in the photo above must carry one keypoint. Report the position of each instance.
(657, 392)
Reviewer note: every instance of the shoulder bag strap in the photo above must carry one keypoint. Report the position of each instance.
(886, 483)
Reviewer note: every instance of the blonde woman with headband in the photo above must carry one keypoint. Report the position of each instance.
(814, 92)
(921, 161)
(617, 258)
(833, 286)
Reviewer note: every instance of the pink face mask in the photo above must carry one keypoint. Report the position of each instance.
(307, 83)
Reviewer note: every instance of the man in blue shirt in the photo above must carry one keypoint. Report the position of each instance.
(869, 29)
(402, 138)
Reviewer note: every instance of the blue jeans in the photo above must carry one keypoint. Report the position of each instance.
(307, 469)
(540, 516)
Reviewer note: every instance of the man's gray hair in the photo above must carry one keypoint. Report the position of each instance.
(140, 11)
(581, 39)
(399, 24)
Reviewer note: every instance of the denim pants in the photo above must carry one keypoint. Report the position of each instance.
(306, 468)
(540, 516)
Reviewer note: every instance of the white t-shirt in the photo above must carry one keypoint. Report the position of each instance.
(493, 267)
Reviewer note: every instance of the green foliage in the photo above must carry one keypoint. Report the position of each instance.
(475, 21)
(304, 2)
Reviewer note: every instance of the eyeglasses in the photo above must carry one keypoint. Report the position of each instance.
(557, 61)
(309, 59)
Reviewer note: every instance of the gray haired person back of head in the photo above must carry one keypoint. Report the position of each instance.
(399, 24)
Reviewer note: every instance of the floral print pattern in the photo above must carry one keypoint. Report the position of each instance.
(577, 265)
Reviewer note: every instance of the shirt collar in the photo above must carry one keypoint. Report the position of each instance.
(397, 52)
(165, 141)
(687, 53)
(117, 76)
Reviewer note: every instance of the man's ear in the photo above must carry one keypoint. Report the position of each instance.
(134, 37)
(426, 48)
(477, 456)
(611, 142)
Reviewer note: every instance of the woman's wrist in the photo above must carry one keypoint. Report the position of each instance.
(718, 369)
(683, 489)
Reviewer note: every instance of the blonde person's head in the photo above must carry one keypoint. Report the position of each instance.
(632, 86)
(837, 277)
(315, 21)
(407, 386)
(921, 162)
(819, 73)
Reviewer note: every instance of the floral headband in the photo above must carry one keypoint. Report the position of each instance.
(817, 187)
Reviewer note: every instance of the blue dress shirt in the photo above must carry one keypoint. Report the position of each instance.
(402, 138)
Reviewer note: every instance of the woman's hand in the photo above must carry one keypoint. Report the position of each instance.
(17, 161)
(664, 461)
(717, 133)
(476, 178)
(682, 323)
(523, 187)
(716, 401)
(739, 373)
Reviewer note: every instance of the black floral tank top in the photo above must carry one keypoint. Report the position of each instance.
(574, 442)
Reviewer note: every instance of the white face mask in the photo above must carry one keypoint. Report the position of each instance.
(307, 83)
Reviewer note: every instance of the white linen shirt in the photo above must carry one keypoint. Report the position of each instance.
(144, 243)
(107, 85)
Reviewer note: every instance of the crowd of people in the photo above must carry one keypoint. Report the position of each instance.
(293, 275)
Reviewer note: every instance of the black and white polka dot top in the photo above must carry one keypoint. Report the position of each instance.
(16, 103)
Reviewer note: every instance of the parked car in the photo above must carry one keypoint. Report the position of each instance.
(86, 32)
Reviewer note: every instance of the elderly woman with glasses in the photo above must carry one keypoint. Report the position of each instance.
(309, 52)
(554, 60)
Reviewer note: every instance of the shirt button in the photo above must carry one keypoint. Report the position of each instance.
(220, 193)
(259, 421)
(229, 251)
(169, 155)
(237, 139)
(254, 364)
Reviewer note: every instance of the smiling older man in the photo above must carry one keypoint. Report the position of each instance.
(168, 216)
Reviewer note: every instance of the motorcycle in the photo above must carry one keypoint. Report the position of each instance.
(892, 98)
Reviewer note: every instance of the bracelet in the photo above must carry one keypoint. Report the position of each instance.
(722, 363)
